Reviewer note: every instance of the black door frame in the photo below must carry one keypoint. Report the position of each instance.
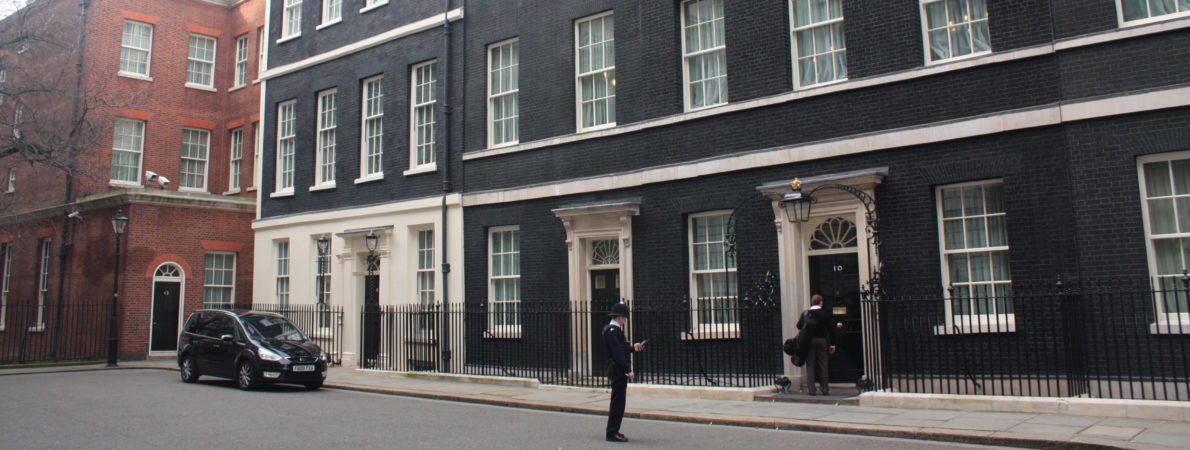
(154, 320)
(181, 306)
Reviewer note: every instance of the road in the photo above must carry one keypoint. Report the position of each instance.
(153, 409)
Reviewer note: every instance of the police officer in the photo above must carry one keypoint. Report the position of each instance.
(619, 368)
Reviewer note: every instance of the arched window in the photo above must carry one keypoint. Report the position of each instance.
(168, 271)
(833, 233)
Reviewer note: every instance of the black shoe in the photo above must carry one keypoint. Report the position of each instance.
(812, 393)
(616, 437)
(826, 393)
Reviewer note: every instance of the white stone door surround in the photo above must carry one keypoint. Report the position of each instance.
(793, 240)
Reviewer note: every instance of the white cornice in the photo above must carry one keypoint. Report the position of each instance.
(330, 215)
(355, 47)
(140, 196)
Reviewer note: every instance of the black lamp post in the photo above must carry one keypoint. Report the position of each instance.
(324, 244)
(373, 261)
(119, 223)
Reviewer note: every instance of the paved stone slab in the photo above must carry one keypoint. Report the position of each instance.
(929, 414)
(1112, 432)
(902, 421)
(854, 417)
(968, 423)
(1072, 421)
(1175, 440)
(1046, 429)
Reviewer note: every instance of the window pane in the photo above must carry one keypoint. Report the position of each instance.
(997, 231)
(994, 196)
(973, 200)
(1000, 270)
(959, 272)
(1181, 175)
(1169, 256)
(1135, 9)
(953, 231)
(1161, 216)
(975, 229)
(1157, 183)
(952, 203)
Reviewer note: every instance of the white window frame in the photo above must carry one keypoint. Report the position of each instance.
(925, 35)
(140, 151)
(241, 75)
(372, 4)
(972, 322)
(326, 139)
(205, 161)
(291, 20)
(12, 180)
(191, 60)
(1166, 322)
(206, 304)
(281, 265)
(285, 178)
(514, 92)
(323, 321)
(418, 85)
(261, 46)
(148, 58)
(257, 143)
(710, 330)
(1151, 18)
(366, 151)
(794, 29)
(608, 71)
(6, 247)
(687, 56)
(43, 283)
(503, 331)
(423, 265)
(235, 169)
(332, 13)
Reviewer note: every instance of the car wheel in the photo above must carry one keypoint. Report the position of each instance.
(314, 385)
(246, 377)
(189, 372)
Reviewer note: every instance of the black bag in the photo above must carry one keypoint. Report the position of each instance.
(792, 347)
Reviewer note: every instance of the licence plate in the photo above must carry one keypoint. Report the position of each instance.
(303, 368)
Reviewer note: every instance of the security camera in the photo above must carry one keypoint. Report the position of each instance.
(74, 215)
(150, 176)
(163, 181)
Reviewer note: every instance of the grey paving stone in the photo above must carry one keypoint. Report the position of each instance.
(1112, 432)
(930, 414)
(1059, 419)
(999, 416)
(1134, 423)
(902, 421)
(1175, 440)
(854, 417)
(984, 424)
(1046, 429)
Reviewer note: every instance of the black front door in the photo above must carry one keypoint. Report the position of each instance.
(836, 277)
(165, 316)
(371, 336)
(605, 292)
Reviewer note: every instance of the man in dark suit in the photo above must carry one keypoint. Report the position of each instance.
(815, 326)
(619, 368)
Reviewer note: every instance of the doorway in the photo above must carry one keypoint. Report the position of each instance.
(371, 344)
(833, 263)
(167, 300)
(605, 292)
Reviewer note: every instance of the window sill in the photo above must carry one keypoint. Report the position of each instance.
(289, 38)
(704, 108)
(1169, 328)
(818, 85)
(236, 88)
(941, 62)
(977, 328)
(428, 168)
(124, 184)
(370, 8)
(282, 194)
(37, 329)
(1152, 20)
(251, 189)
(596, 128)
(232, 192)
(370, 178)
(326, 25)
(711, 335)
(193, 190)
(323, 187)
(506, 144)
(201, 87)
(134, 76)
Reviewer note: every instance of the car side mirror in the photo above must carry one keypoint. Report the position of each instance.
(227, 338)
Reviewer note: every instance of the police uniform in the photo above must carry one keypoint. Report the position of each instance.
(618, 368)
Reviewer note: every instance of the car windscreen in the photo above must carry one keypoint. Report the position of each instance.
(272, 327)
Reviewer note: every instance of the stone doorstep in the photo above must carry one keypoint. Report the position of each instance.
(643, 390)
(1135, 409)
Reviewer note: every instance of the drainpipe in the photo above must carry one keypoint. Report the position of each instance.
(444, 165)
(68, 195)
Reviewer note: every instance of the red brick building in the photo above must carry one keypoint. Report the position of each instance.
(169, 107)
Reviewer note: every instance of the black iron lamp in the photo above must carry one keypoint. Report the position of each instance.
(370, 240)
(119, 224)
(324, 244)
(796, 204)
(373, 261)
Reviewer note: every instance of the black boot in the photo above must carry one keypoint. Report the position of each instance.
(616, 437)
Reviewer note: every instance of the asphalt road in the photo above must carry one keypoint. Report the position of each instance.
(153, 409)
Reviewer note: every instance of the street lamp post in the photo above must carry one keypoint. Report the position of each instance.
(119, 223)
(324, 245)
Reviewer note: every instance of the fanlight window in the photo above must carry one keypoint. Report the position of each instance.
(834, 233)
(605, 253)
(168, 271)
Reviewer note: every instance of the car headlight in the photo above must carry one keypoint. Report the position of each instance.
(268, 355)
(325, 357)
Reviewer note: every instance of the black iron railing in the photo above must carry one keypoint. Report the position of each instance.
(31, 333)
(713, 342)
(322, 323)
(1094, 340)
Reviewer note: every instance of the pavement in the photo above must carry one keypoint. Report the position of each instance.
(989, 428)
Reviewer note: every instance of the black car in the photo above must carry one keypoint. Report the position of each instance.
(251, 347)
